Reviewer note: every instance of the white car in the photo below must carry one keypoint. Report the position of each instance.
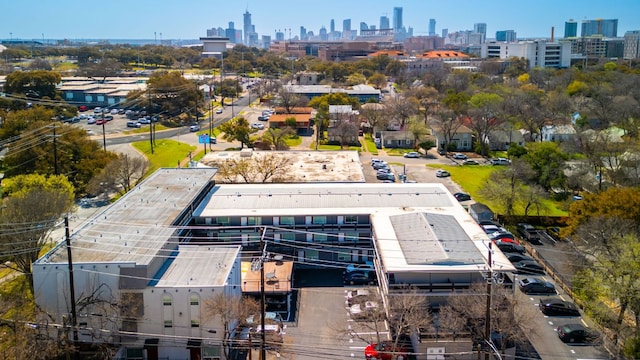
(91, 120)
(442, 173)
(354, 295)
(114, 111)
(257, 126)
(412, 154)
(194, 128)
(459, 156)
(219, 111)
(361, 310)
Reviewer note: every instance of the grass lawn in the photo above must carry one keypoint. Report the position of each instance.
(397, 151)
(166, 153)
(293, 141)
(337, 147)
(371, 146)
(145, 129)
(472, 178)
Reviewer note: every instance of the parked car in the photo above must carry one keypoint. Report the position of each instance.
(442, 173)
(386, 176)
(263, 118)
(97, 110)
(491, 228)
(385, 350)
(101, 121)
(82, 108)
(133, 124)
(91, 120)
(576, 333)
(358, 296)
(529, 233)
(536, 286)
(412, 154)
(194, 128)
(501, 234)
(558, 307)
(113, 111)
(462, 196)
(379, 164)
(459, 156)
(362, 310)
(500, 161)
(368, 266)
(213, 140)
(509, 247)
(470, 162)
(360, 277)
(442, 152)
(219, 111)
(144, 120)
(257, 126)
(528, 267)
(516, 257)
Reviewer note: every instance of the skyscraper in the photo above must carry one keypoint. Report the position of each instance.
(332, 26)
(384, 22)
(481, 28)
(346, 25)
(506, 35)
(397, 19)
(432, 27)
(570, 28)
(632, 44)
(230, 32)
(303, 33)
(247, 28)
(606, 28)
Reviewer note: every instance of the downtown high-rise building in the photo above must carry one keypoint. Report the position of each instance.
(481, 28)
(332, 26)
(604, 27)
(247, 28)
(384, 23)
(506, 35)
(632, 44)
(346, 25)
(570, 28)
(397, 19)
(432, 27)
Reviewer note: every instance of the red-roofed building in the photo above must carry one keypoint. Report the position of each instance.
(303, 122)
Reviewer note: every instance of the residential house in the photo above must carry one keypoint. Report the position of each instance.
(499, 140)
(558, 133)
(402, 139)
(462, 138)
(344, 127)
(303, 122)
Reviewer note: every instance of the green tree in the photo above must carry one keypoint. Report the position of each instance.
(31, 209)
(548, 162)
(378, 80)
(75, 155)
(277, 137)
(39, 83)
(238, 129)
(170, 93)
(485, 116)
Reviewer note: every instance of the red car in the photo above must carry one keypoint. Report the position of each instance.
(101, 121)
(385, 351)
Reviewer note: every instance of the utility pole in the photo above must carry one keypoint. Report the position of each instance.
(104, 136)
(151, 123)
(55, 151)
(263, 247)
(487, 325)
(74, 314)
(210, 122)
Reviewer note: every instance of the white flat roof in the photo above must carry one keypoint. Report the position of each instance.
(200, 265)
(417, 227)
(138, 226)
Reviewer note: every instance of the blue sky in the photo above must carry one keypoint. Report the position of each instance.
(189, 19)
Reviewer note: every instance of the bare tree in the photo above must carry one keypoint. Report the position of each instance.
(401, 108)
(231, 310)
(346, 131)
(448, 123)
(375, 116)
(120, 174)
(427, 99)
(289, 99)
(507, 187)
(260, 168)
(467, 314)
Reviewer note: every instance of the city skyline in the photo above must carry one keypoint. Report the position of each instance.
(189, 19)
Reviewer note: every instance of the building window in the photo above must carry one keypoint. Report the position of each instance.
(195, 323)
(166, 300)
(288, 237)
(223, 220)
(210, 353)
(168, 323)
(254, 220)
(344, 256)
(351, 236)
(319, 220)
(320, 237)
(351, 219)
(194, 300)
(287, 220)
(311, 254)
(68, 96)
